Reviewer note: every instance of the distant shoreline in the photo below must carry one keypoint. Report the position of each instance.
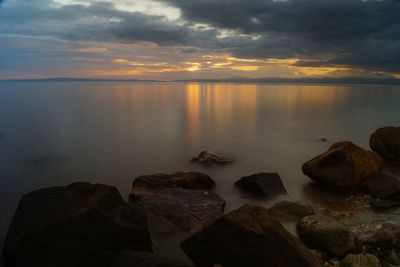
(343, 81)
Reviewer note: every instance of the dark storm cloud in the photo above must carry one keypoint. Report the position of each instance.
(356, 33)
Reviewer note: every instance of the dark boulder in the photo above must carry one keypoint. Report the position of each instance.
(360, 260)
(381, 204)
(262, 184)
(144, 259)
(247, 237)
(386, 238)
(78, 225)
(211, 158)
(147, 185)
(383, 185)
(290, 210)
(386, 142)
(327, 234)
(182, 208)
(344, 166)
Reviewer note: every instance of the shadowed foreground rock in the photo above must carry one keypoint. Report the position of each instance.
(78, 225)
(211, 158)
(386, 142)
(385, 238)
(290, 210)
(344, 166)
(326, 234)
(147, 185)
(143, 259)
(262, 184)
(247, 237)
(182, 208)
(360, 260)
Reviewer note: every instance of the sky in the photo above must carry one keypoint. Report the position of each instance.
(192, 39)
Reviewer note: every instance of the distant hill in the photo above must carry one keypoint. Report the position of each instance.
(350, 80)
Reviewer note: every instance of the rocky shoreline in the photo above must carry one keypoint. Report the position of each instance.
(85, 224)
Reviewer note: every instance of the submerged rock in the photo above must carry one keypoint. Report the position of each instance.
(183, 209)
(345, 165)
(78, 225)
(290, 210)
(211, 158)
(264, 184)
(386, 142)
(360, 260)
(385, 238)
(147, 185)
(144, 259)
(383, 185)
(327, 234)
(247, 237)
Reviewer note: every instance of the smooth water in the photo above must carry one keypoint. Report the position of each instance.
(57, 133)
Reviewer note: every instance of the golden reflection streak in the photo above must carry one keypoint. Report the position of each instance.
(193, 111)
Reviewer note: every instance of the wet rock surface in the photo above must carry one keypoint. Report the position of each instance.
(262, 184)
(344, 166)
(383, 184)
(147, 185)
(211, 158)
(290, 211)
(144, 259)
(360, 260)
(78, 225)
(180, 208)
(327, 234)
(247, 237)
(386, 142)
(385, 238)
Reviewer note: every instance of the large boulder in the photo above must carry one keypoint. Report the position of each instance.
(345, 165)
(247, 237)
(326, 234)
(386, 142)
(290, 211)
(181, 208)
(78, 225)
(144, 259)
(262, 184)
(147, 185)
(211, 158)
(383, 185)
(360, 260)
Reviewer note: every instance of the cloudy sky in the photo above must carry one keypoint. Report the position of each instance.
(181, 39)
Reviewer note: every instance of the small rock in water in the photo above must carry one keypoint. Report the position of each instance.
(290, 210)
(383, 184)
(360, 260)
(264, 184)
(144, 259)
(245, 237)
(386, 142)
(323, 140)
(327, 234)
(181, 208)
(344, 166)
(211, 158)
(147, 185)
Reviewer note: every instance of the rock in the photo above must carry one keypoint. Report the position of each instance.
(385, 238)
(144, 259)
(326, 234)
(289, 210)
(211, 158)
(247, 236)
(360, 260)
(383, 185)
(263, 184)
(386, 142)
(345, 165)
(78, 225)
(385, 203)
(389, 258)
(147, 185)
(182, 208)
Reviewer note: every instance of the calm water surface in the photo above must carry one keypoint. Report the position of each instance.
(58, 133)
